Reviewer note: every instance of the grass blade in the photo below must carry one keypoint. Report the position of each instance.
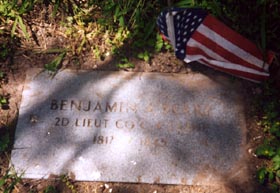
(23, 27)
(13, 30)
(55, 64)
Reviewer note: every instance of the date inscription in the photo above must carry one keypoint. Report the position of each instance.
(102, 140)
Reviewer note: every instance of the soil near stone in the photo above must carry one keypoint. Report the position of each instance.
(48, 37)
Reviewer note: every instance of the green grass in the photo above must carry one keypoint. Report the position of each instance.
(122, 23)
(68, 183)
(56, 63)
(4, 98)
(118, 23)
(125, 63)
(4, 142)
(9, 181)
(269, 150)
(50, 189)
(12, 11)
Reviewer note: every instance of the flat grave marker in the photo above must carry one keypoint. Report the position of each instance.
(129, 127)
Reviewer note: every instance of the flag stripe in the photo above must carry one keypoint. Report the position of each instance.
(171, 31)
(208, 52)
(226, 65)
(224, 48)
(164, 37)
(197, 51)
(230, 68)
(241, 74)
(235, 38)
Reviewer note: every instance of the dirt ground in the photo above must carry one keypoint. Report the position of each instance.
(27, 56)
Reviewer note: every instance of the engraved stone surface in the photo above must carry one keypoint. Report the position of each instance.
(129, 127)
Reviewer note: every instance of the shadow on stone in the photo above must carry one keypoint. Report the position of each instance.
(173, 129)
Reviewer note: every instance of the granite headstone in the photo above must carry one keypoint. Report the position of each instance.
(129, 127)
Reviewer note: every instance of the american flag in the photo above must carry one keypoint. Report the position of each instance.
(198, 36)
